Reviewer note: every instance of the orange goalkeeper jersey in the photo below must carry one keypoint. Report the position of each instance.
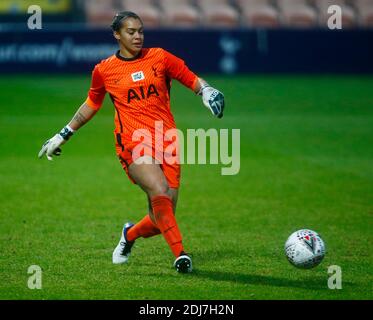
(139, 88)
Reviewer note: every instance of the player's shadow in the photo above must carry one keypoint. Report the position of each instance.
(318, 283)
(258, 279)
(311, 282)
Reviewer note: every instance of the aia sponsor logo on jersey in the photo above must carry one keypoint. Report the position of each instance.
(142, 93)
(137, 76)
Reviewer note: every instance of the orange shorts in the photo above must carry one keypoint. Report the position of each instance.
(124, 152)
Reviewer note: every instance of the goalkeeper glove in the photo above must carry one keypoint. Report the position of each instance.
(52, 146)
(213, 99)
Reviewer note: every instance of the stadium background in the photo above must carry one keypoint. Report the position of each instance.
(301, 95)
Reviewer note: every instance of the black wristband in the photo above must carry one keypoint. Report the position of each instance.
(66, 133)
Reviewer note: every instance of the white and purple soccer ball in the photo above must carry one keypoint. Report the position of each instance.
(305, 249)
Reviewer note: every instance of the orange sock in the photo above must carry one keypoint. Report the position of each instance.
(166, 223)
(144, 228)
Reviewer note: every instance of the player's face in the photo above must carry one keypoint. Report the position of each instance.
(131, 37)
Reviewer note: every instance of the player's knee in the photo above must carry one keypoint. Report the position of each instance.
(159, 189)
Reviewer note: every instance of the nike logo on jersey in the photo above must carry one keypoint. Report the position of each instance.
(137, 76)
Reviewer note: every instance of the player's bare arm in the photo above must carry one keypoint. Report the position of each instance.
(52, 147)
(82, 116)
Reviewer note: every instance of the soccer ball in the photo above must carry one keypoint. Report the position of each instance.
(305, 249)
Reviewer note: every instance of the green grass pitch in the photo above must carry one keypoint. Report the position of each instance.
(306, 162)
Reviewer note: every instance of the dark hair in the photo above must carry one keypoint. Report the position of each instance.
(121, 16)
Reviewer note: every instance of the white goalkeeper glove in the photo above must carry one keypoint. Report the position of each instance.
(52, 146)
(213, 99)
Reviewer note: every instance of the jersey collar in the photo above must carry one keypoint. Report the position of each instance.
(138, 56)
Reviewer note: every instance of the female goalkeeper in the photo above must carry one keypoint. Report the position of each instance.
(138, 81)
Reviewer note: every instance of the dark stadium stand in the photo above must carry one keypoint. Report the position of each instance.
(218, 13)
(148, 10)
(297, 13)
(258, 13)
(98, 13)
(198, 13)
(364, 9)
(237, 36)
(179, 13)
(234, 13)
